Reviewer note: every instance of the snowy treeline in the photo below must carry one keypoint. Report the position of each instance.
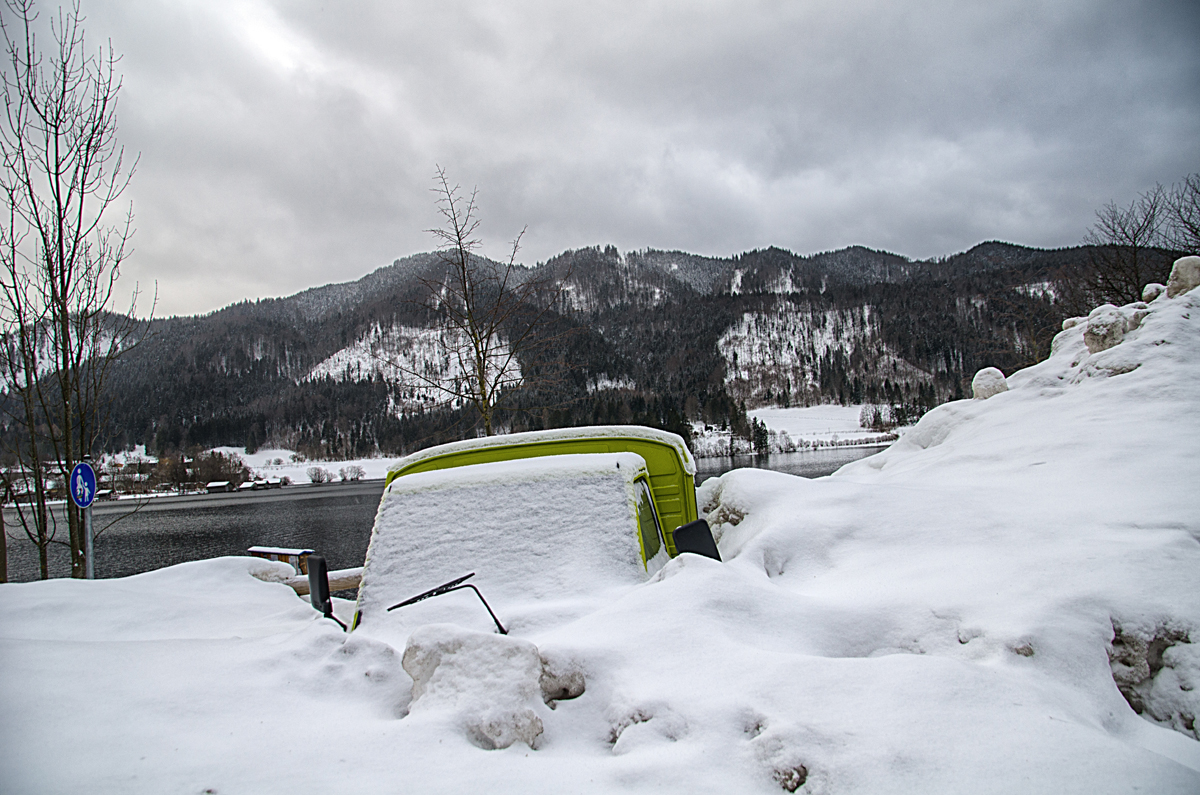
(795, 355)
(715, 443)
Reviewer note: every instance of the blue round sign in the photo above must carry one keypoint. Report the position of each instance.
(83, 484)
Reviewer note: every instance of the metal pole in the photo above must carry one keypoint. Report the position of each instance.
(89, 555)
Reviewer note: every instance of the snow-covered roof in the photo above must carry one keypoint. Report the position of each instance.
(627, 465)
(558, 434)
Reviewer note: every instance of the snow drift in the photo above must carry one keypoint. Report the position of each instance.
(1005, 600)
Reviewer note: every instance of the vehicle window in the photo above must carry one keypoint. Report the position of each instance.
(648, 526)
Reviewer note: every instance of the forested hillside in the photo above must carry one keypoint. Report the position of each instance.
(651, 337)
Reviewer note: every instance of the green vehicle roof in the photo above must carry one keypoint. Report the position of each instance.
(670, 464)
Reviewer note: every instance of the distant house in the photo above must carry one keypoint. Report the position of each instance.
(219, 486)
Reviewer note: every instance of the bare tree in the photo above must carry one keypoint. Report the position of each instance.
(63, 171)
(489, 315)
(1183, 215)
(1126, 253)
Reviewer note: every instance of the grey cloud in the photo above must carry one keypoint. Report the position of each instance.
(288, 145)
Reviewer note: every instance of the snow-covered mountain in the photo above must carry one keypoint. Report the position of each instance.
(651, 336)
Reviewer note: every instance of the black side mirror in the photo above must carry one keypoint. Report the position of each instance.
(695, 537)
(318, 587)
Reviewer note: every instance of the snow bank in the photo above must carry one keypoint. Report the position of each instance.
(1030, 533)
(981, 608)
(488, 686)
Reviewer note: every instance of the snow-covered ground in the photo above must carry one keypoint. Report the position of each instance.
(946, 616)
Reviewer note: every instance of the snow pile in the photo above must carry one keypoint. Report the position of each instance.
(1106, 327)
(1051, 523)
(987, 382)
(487, 685)
(1005, 600)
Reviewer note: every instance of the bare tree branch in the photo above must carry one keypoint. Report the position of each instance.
(1183, 215)
(1127, 253)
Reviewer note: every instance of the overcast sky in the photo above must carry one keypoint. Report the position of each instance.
(286, 145)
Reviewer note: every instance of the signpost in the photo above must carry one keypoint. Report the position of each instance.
(82, 487)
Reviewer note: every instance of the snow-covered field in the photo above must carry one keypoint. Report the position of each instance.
(946, 616)
(272, 463)
(823, 424)
(792, 429)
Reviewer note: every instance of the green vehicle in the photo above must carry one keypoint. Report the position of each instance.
(669, 464)
(542, 516)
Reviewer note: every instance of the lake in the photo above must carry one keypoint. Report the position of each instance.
(334, 519)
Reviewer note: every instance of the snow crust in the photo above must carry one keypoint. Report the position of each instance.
(959, 613)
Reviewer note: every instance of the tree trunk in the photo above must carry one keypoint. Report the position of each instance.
(3, 548)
